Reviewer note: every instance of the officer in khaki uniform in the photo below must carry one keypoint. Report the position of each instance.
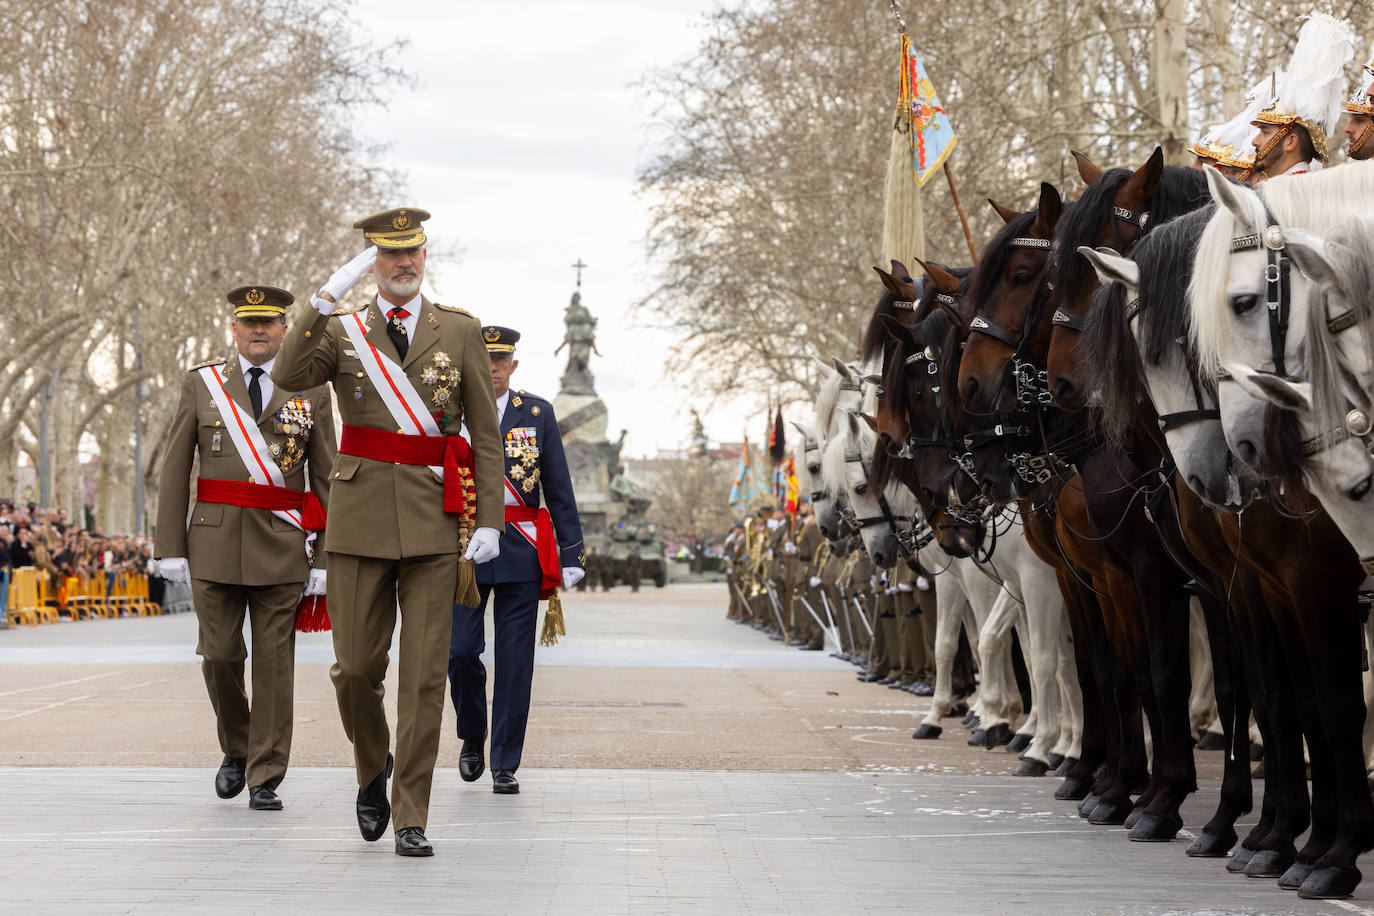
(389, 537)
(809, 542)
(238, 556)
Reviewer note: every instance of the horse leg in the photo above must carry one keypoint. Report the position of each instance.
(1131, 773)
(1165, 608)
(1228, 662)
(1070, 743)
(1045, 617)
(950, 605)
(994, 650)
(1203, 705)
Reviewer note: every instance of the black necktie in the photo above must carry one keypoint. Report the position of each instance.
(397, 331)
(255, 391)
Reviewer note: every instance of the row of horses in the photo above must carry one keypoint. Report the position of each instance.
(1154, 395)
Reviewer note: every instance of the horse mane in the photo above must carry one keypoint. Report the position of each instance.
(832, 463)
(826, 397)
(1116, 373)
(1179, 191)
(995, 256)
(1349, 250)
(1314, 201)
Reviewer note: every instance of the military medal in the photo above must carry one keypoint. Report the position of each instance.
(216, 439)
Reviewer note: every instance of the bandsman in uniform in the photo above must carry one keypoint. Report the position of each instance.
(251, 547)
(1294, 127)
(541, 550)
(1360, 107)
(410, 497)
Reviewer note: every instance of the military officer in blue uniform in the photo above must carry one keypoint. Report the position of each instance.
(516, 580)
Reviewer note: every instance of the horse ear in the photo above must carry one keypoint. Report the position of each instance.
(1283, 394)
(806, 431)
(1144, 180)
(899, 271)
(1309, 253)
(1007, 213)
(888, 281)
(839, 367)
(872, 423)
(1050, 207)
(1086, 170)
(1227, 194)
(1112, 267)
(897, 330)
(944, 281)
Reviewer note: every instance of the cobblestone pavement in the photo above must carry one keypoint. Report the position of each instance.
(676, 763)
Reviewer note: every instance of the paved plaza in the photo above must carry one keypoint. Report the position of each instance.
(676, 763)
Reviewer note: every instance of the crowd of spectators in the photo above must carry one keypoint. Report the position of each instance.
(50, 541)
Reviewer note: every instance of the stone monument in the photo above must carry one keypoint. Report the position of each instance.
(605, 498)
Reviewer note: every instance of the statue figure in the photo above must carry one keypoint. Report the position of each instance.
(579, 337)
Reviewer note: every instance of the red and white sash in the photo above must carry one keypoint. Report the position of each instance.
(512, 498)
(398, 394)
(249, 443)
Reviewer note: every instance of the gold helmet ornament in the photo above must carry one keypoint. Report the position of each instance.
(1309, 93)
(1228, 144)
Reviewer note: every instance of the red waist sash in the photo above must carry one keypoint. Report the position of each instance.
(262, 496)
(551, 576)
(451, 452)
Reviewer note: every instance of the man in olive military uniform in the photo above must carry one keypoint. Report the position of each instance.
(607, 569)
(809, 542)
(633, 566)
(407, 373)
(250, 545)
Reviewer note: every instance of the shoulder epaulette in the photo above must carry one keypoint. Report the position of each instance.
(218, 361)
(355, 307)
(454, 308)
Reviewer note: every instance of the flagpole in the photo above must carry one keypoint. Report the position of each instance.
(959, 208)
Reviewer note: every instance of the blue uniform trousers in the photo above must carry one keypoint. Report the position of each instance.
(515, 612)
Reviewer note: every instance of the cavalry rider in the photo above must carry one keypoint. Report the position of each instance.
(541, 550)
(1226, 147)
(409, 496)
(1305, 103)
(1360, 105)
(251, 544)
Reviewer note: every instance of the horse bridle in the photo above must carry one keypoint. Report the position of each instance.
(1138, 218)
(1277, 290)
(888, 517)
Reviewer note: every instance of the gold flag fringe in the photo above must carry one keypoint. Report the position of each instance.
(553, 622)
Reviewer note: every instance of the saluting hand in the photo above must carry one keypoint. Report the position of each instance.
(343, 280)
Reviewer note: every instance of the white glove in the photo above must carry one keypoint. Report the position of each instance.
(889, 591)
(174, 569)
(315, 584)
(815, 581)
(344, 278)
(923, 583)
(789, 547)
(903, 586)
(770, 553)
(572, 575)
(485, 545)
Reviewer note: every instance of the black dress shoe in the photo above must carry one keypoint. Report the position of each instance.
(471, 765)
(410, 841)
(229, 780)
(262, 798)
(374, 810)
(503, 782)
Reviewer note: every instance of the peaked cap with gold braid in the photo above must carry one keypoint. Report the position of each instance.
(259, 301)
(399, 228)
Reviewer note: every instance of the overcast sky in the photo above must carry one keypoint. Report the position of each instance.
(522, 136)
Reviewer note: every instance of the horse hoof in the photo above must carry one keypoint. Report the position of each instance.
(1018, 743)
(961, 709)
(1087, 804)
(970, 720)
(1211, 741)
(1055, 761)
(1331, 883)
(1212, 845)
(1239, 859)
(1110, 813)
(998, 735)
(1072, 789)
(1293, 879)
(1136, 814)
(1032, 767)
(1066, 767)
(1156, 828)
(1270, 863)
(1256, 751)
(979, 738)
(927, 732)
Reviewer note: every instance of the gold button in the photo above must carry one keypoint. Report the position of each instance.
(360, 375)
(400, 432)
(307, 333)
(251, 480)
(217, 423)
(201, 519)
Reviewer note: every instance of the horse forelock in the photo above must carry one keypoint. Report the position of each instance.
(996, 254)
(1082, 226)
(1209, 302)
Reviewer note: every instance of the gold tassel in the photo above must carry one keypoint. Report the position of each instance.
(553, 622)
(467, 593)
(904, 233)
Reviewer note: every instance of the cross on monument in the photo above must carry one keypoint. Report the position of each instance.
(579, 267)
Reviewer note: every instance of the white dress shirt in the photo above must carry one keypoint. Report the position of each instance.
(264, 382)
(501, 403)
(411, 321)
